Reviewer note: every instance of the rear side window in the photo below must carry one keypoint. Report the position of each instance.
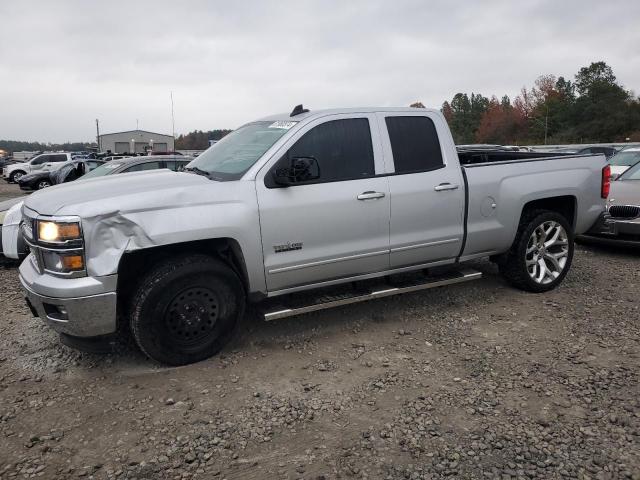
(59, 158)
(414, 143)
(176, 166)
(342, 148)
(143, 166)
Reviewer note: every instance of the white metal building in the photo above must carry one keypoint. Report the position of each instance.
(136, 141)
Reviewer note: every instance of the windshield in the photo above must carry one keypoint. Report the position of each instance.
(236, 153)
(625, 159)
(104, 169)
(632, 174)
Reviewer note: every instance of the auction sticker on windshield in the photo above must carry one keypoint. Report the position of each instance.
(282, 124)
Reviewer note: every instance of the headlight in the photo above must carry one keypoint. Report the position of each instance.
(58, 232)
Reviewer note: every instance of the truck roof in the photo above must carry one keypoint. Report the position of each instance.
(338, 111)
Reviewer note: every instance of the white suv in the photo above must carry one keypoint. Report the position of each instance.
(45, 161)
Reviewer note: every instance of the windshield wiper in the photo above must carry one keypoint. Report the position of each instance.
(199, 171)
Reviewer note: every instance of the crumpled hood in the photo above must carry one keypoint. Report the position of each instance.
(126, 212)
(625, 192)
(122, 192)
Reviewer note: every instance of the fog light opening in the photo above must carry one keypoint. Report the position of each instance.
(56, 312)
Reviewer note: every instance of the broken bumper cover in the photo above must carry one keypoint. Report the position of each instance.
(620, 231)
(75, 307)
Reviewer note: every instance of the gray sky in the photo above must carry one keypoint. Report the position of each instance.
(65, 63)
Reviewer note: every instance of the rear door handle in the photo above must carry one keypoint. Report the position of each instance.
(370, 195)
(446, 186)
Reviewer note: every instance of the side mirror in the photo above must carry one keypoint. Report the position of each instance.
(300, 169)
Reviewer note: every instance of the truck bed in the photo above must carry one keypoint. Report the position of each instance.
(499, 185)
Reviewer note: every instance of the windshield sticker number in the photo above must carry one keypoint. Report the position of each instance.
(282, 124)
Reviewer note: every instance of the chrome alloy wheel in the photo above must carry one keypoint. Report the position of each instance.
(547, 252)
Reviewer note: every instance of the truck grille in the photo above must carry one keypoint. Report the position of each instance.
(624, 211)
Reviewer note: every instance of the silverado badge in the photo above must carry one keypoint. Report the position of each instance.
(287, 247)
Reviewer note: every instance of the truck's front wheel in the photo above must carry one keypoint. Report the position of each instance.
(186, 309)
(541, 254)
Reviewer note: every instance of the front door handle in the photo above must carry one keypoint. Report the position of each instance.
(446, 186)
(370, 195)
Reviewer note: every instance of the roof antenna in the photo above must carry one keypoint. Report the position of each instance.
(298, 110)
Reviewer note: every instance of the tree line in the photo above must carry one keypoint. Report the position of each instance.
(196, 140)
(18, 146)
(199, 140)
(592, 108)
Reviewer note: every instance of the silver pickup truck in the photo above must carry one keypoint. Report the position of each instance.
(292, 203)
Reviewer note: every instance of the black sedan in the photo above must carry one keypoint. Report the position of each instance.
(67, 173)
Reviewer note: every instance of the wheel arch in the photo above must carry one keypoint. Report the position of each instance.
(134, 263)
(565, 205)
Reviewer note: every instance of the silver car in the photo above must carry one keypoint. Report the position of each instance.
(177, 163)
(620, 224)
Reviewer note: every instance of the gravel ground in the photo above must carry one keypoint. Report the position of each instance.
(469, 381)
(9, 190)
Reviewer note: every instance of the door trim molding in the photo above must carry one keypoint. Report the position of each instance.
(367, 276)
(326, 262)
(428, 244)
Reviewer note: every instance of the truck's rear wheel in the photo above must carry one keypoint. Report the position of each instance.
(541, 254)
(186, 309)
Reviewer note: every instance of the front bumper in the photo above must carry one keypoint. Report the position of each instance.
(77, 307)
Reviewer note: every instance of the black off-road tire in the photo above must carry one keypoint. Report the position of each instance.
(186, 309)
(512, 265)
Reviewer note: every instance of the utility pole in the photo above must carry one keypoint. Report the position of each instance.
(173, 119)
(98, 135)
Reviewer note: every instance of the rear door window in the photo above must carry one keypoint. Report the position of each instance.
(176, 165)
(143, 166)
(58, 158)
(414, 144)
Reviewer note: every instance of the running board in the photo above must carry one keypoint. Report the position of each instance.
(380, 291)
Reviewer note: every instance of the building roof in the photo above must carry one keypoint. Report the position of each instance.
(137, 132)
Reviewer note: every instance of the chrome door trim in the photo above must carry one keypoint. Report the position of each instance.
(325, 262)
(429, 244)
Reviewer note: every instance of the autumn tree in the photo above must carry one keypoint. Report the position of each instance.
(464, 114)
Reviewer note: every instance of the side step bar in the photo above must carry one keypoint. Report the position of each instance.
(381, 291)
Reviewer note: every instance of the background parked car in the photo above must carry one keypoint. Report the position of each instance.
(11, 242)
(607, 151)
(46, 161)
(623, 160)
(67, 172)
(620, 224)
(114, 157)
(4, 161)
(139, 164)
